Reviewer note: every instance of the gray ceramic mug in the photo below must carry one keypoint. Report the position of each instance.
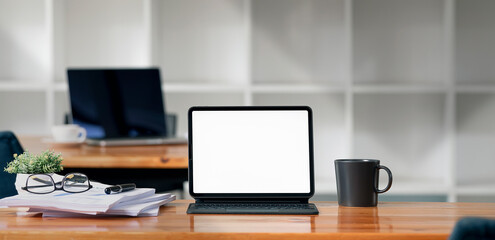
(357, 182)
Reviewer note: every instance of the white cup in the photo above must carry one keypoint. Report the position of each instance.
(68, 133)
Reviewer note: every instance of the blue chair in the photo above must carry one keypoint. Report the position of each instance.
(474, 228)
(8, 146)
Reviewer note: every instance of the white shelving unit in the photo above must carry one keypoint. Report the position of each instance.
(410, 82)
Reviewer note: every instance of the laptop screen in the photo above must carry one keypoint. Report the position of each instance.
(251, 150)
(117, 103)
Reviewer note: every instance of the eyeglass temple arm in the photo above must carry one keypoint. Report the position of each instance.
(47, 183)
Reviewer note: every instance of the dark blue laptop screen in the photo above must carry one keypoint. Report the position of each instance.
(117, 103)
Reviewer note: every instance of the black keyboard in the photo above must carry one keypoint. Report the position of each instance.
(253, 208)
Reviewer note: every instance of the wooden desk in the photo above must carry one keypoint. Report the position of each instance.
(387, 221)
(84, 156)
(163, 167)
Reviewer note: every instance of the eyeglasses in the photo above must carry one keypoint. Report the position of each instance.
(71, 183)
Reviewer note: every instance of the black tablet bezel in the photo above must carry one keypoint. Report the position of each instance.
(251, 195)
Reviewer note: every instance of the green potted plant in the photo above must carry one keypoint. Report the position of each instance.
(27, 163)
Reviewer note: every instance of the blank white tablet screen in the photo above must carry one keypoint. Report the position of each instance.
(264, 151)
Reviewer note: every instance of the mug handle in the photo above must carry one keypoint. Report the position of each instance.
(389, 179)
(81, 135)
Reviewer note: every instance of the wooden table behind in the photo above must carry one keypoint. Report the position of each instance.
(387, 221)
(163, 167)
(84, 156)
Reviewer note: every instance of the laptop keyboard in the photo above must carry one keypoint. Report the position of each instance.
(253, 208)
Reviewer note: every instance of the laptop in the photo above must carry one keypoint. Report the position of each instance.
(251, 160)
(119, 106)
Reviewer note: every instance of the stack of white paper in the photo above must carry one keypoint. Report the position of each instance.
(137, 202)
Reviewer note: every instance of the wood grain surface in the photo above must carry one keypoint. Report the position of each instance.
(387, 221)
(84, 156)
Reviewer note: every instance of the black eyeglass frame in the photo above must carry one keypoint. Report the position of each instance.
(54, 184)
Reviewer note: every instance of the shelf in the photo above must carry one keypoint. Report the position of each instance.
(104, 34)
(279, 88)
(297, 88)
(202, 88)
(409, 82)
(24, 43)
(482, 189)
(418, 187)
(390, 127)
(399, 41)
(182, 88)
(271, 88)
(475, 34)
(225, 88)
(399, 88)
(411, 187)
(475, 88)
(476, 198)
(202, 41)
(298, 41)
(23, 112)
(475, 137)
(22, 86)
